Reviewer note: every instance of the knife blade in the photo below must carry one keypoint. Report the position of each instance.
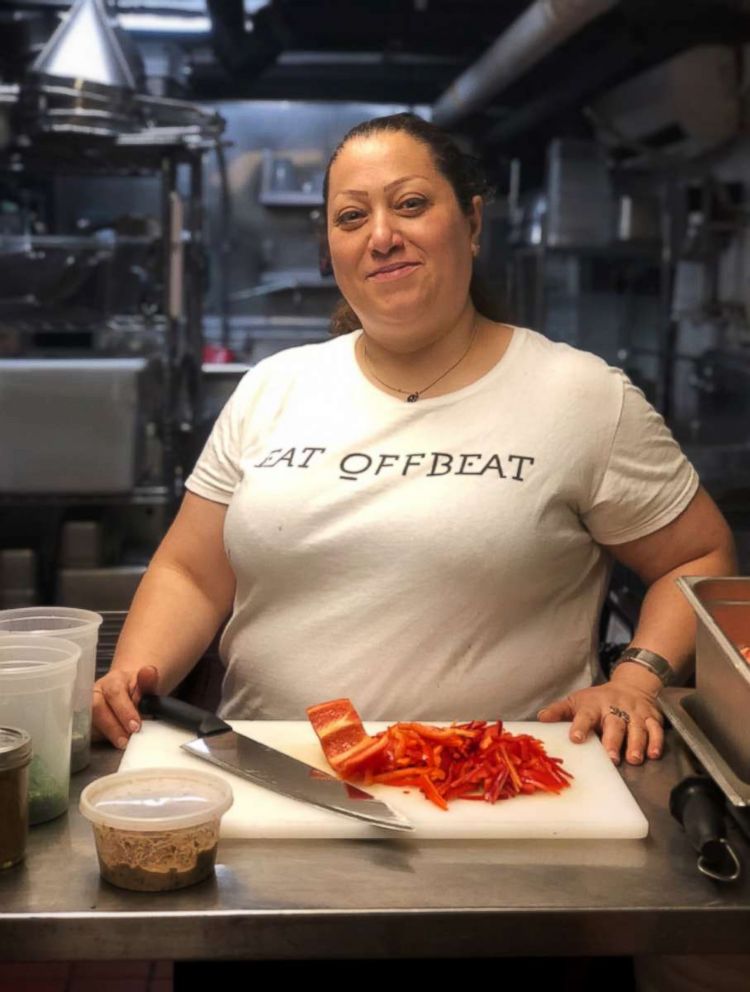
(218, 744)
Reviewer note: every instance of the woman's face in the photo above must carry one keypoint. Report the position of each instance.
(401, 246)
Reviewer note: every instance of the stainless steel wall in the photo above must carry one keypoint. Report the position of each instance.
(267, 245)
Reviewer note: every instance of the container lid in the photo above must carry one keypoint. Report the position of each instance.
(156, 799)
(51, 621)
(15, 748)
(33, 663)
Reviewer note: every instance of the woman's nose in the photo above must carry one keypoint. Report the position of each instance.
(384, 234)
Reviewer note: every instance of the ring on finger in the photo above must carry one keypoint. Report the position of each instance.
(622, 714)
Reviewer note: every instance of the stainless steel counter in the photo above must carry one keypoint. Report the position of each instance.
(395, 898)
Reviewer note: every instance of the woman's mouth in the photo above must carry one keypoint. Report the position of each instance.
(396, 271)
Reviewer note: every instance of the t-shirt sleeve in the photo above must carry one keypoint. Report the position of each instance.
(217, 471)
(647, 481)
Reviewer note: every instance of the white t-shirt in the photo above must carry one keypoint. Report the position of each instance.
(433, 560)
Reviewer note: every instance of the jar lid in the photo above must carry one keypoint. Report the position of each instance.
(15, 748)
(156, 799)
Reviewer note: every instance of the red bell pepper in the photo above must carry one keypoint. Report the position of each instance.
(473, 761)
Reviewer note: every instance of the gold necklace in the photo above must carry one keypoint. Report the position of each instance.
(413, 395)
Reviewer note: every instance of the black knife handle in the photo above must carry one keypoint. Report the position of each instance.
(698, 804)
(201, 722)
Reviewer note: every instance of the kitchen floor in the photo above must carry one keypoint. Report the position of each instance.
(87, 976)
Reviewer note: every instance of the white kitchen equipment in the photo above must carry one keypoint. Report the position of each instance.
(272, 769)
(598, 804)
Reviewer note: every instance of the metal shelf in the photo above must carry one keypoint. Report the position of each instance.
(301, 199)
(294, 193)
(17, 243)
(298, 278)
(140, 496)
(614, 250)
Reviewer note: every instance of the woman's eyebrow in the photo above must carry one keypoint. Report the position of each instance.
(363, 194)
(404, 179)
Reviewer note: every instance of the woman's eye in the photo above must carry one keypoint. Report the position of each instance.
(412, 203)
(348, 216)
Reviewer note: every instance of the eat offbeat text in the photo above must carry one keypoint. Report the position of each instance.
(358, 464)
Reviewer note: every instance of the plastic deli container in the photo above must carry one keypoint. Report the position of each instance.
(15, 755)
(36, 694)
(156, 829)
(82, 628)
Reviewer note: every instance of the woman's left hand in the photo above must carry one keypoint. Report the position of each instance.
(622, 711)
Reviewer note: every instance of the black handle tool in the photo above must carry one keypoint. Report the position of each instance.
(698, 805)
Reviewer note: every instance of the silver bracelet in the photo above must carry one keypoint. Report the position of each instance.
(657, 665)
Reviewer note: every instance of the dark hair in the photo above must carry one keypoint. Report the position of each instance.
(465, 174)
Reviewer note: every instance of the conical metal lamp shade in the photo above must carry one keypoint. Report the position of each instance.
(86, 47)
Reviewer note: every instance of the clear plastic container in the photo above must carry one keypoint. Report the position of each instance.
(15, 755)
(82, 628)
(37, 675)
(36, 694)
(156, 829)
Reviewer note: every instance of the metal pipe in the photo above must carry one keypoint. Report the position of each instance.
(194, 270)
(224, 242)
(544, 26)
(600, 68)
(172, 330)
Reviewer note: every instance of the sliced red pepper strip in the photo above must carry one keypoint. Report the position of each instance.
(362, 754)
(431, 792)
(476, 760)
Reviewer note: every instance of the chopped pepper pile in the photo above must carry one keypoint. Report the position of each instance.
(477, 760)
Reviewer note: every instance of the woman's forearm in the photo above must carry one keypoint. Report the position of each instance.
(697, 542)
(185, 594)
(667, 622)
(170, 624)
(623, 709)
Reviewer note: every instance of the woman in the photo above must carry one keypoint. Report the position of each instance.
(421, 514)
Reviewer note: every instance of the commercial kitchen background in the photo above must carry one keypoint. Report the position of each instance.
(150, 250)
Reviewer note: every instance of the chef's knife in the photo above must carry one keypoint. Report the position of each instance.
(267, 767)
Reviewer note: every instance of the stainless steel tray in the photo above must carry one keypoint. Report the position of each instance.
(682, 707)
(70, 424)
(722, 675)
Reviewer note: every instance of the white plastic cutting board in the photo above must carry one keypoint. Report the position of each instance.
(597, 805)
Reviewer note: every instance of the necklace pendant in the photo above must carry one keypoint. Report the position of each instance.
(412, 397)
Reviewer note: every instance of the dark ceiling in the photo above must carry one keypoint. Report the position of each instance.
(408, 51)
(417, 49)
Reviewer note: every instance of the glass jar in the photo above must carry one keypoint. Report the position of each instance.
(15, 755)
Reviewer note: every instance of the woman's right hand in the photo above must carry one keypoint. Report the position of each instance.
(115, 703)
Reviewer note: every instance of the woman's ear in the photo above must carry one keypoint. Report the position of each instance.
(475, 219)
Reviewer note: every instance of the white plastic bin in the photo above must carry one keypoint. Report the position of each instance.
(37, 675)
(82, 628)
